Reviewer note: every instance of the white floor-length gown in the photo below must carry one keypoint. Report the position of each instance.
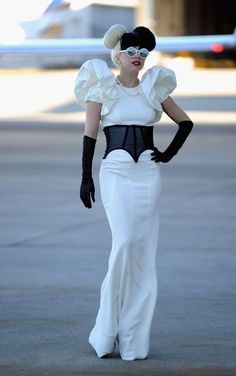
(130, 194)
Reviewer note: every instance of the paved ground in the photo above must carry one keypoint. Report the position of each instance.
(54, 255)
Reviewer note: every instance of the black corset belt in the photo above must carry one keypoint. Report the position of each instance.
(132, 138)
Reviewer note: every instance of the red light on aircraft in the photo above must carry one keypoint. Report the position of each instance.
(217, 48)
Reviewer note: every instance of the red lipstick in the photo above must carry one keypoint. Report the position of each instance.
(136, 63)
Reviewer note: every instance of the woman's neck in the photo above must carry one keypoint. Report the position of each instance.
(127, 79)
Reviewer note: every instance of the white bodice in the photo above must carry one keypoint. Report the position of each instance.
(140, 105)
(130, 108)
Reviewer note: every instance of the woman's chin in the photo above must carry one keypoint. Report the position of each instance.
(136, 67)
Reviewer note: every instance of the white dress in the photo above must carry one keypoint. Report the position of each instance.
(130, 194)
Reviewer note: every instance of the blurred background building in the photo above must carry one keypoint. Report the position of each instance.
(81, 19)
(188, 17)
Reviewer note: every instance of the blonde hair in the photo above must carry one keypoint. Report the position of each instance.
(112, 39)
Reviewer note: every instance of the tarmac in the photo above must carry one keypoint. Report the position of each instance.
(54, 254)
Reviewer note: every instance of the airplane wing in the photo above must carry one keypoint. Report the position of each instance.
(90, 46)
(197, 43)
(55, 47)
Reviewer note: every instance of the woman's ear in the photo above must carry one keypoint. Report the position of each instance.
(118, 59)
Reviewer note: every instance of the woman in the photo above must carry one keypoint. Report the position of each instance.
(130, 182)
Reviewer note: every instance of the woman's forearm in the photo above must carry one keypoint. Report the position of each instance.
(174, 111)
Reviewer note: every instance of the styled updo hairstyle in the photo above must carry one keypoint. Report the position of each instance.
(112, 40)
(118, 38)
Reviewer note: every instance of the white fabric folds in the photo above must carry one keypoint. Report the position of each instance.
(96, 82)
(130, 194)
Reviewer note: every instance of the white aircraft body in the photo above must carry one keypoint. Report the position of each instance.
(91, 46)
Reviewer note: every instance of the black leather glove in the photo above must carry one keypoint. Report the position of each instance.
(185, 128)
(87, 189)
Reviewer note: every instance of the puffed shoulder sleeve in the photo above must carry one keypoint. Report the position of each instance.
(95, 82)
(157, 83)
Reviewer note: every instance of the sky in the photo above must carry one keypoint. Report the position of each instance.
(14, 11)
(22, 10)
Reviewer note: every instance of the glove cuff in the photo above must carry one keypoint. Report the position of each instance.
(87, 158)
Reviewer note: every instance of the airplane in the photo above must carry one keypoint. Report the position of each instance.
(74, 52)
(95, 46)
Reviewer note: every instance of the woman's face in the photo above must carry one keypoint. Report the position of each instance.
(134, 63)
